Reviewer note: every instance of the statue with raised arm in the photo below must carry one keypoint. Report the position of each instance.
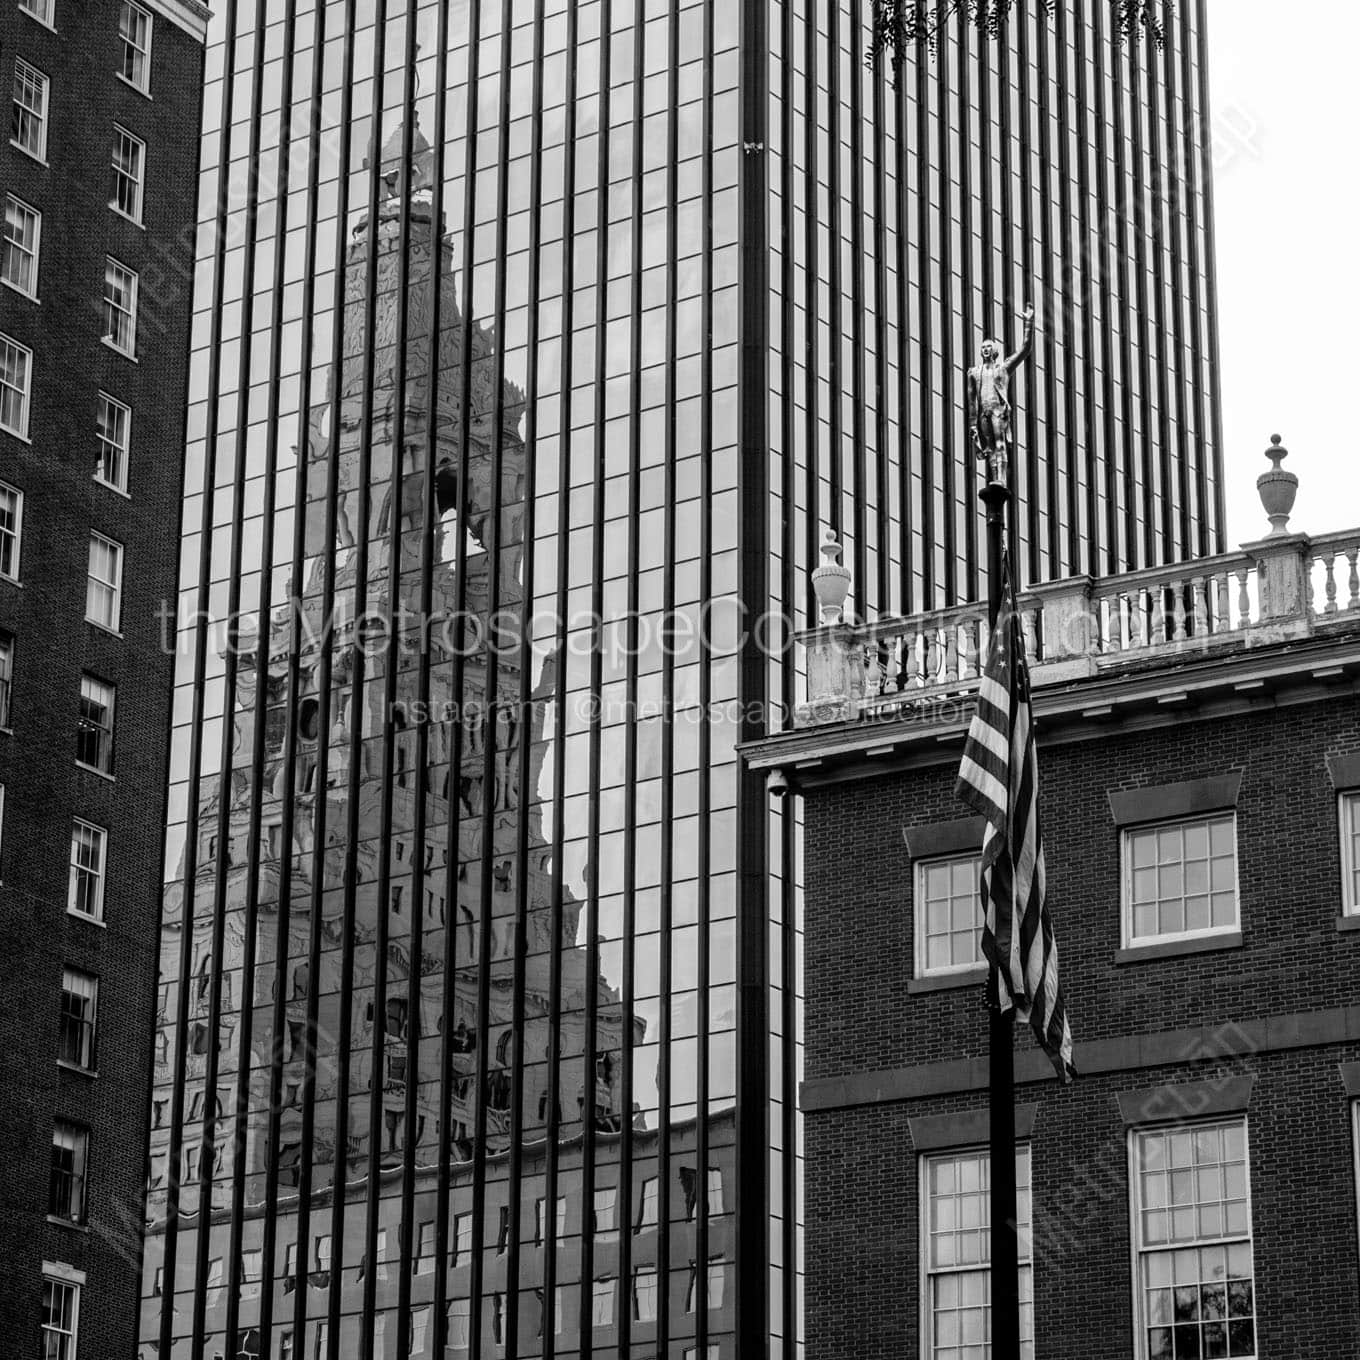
(989, 406)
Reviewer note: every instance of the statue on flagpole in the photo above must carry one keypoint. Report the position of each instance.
(989, 406)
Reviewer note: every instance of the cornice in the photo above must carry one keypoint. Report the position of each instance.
(188, 15)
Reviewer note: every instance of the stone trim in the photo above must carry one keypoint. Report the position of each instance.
(1345, 924)
(1127, 1053)
(1129, 807)
(966, 1128)
(189, 15)
(1350, 1078)
(945, 838)
(1180, 1102)
(1344, 771)
(1171, 949)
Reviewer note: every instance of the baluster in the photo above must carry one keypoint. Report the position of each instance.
(970, 647)
(1178, 611)
(1353, 557)
(1213, 602)
(1136, 638)
(911, 663)
(1112, 625)
(933, 655)
(951, 653)
(1243, 598)
(1030, 623)
(1199, 615)
(873, 671)
(1329, 561)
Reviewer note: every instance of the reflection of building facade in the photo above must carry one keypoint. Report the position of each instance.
(1199, 779)
(98, 165)
(586, 457)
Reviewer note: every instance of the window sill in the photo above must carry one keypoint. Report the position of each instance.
(127, 217)
(946, 982)
(57, 1221)
(103, 628)
(77, 1069)
(117, 490)
(1349, 924)
(1170, 949)
(103, 774)
(14, 434)
(23, 292)
(89, 920)
(132, 85)
(33, 156)
(129, 355)
(39, 20)
(12, 581)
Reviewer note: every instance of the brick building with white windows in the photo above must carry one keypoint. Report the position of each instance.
(99, 175)
(1194, 1192)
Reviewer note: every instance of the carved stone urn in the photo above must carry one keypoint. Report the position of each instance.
(1277, 489)
(831, 582)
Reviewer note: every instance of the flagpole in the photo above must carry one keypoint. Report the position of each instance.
(1001, 1025)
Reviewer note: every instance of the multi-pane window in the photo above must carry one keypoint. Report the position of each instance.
(644, 1294)
(602, 1302)
(94, 725)
(79, 1006)
(462, 1238)
(60, 1318)
(134, 28)
(120, 306)
(16, 374)
(39, 9)
(66, 1196)
(460, 1322)
(28, 125)
(6, 678)
(129, 165)
(948, 915)
(104, 582)
(11, 530)
(1350, 851)
(1192, 1231)
(85, 892)
(956, 1227)
(605, 1196)
(715, 1191)
(1180, 879)
(23, 240)
(425, 1244)
(541, 1216)
(647, 1205)
(113, 425)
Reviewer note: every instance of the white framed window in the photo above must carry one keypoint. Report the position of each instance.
(6, 678)
(85, 892)
(948, 915)
(134, 28)
(644, 1294)
(113, 428)
(11, 530)
(120, 306)
(1350, 852)
(76, 1031)
(28, 125)
(460, 1322)
(16, 376)
(602, 1302)
(60, 1312)
(23, 244)
(462, 1238)
(425, 1244)
(42, 10)
(1355, 1146)
(1180, 879)
(956, 1286)
(1192, 1241)
(715, 1191)
(94, 724)
(129, 170)
(605, 1199)
(104, 583)
(716, 1277)
(647, 1204)
(420, 1324)
(541, 1220)
(70, 1150)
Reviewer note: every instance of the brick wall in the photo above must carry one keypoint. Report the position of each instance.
(53, 644)
(861, 1188)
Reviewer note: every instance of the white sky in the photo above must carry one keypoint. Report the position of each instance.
(1283, 84)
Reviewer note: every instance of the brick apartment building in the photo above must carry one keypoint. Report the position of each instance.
(1194, 1192)
(99, 175)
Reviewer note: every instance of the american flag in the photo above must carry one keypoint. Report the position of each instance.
(999, 779)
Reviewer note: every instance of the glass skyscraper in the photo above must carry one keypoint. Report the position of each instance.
(535, 345)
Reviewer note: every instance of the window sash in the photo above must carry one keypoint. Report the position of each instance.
(11, 530)
(134, 28)
(120, 306)
(94, 727)
(941, 952)
(1189, 911)
(60, 1318)
(23, 238)
(113, 426)
(70, 1150)
(1186, 1280)
(39, 9)
(1350, 852)
(79, 1017)
(85, 893)
(28, 126)
(129, 159)
(16, 373)
(6, 677)
(104, 583)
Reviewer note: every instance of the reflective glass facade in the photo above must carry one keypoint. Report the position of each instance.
(479, 975)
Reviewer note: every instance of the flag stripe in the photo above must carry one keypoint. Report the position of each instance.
(999, 778)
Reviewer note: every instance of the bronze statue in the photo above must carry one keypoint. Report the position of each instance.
(989, 407)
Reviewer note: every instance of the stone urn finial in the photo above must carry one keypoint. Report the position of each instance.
(831, 581)
(1277, 488)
